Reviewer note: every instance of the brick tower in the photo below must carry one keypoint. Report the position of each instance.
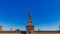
(29, 27)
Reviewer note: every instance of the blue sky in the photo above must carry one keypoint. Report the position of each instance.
(45, 14)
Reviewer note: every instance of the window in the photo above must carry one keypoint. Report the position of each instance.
(29, 32)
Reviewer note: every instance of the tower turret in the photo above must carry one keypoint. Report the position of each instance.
(29, 20)
(0, 28)
(29, 27)
(59, 28)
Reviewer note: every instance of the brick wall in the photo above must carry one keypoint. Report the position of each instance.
(10, 33)
(47, 32)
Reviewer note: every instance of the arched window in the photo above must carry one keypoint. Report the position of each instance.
(29, 32)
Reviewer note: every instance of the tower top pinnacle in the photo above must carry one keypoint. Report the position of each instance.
(29, 20)
(29, 16)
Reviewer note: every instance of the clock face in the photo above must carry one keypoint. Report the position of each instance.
(29, 23)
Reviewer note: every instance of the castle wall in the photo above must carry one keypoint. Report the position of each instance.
(10, 33)
(46, 33)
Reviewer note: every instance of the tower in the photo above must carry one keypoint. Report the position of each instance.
(0, 28)
(29, 27)
(59, 28)
(11, 29)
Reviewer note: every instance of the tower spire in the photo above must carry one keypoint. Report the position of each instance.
(29, 20)
(29, 27)
(29, 15)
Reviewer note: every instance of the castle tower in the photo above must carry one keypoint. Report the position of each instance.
(59, 28)
(29, 27)
(11, 29)
(0, 28)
